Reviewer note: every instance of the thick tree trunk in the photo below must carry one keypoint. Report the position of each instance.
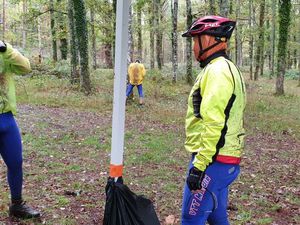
(73, 45)
(94, 50)
(82, 35)
(260, 42)
(174, 11)
(53, 32)
(284, 22)
(189, 62)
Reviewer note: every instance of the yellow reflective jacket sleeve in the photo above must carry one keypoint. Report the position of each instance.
(15, 62)
(11, 62)
(216, 91)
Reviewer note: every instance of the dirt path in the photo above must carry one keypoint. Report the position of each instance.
(67, 156)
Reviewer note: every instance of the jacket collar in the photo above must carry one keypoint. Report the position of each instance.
(212, 57)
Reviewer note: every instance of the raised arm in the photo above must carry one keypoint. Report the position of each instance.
(14, 61)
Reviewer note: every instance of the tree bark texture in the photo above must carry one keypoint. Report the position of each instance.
(3, 19)
(151, 30)
(189, 62)
(139, 33)
(174, 11)
(212, 7)
(73, 45)
(238, 42)
(284, 22)
(82, 35)
(224, 8)
(158, 33)
(130, 38)
(260, 42)
(62, 32)
(53, 32)
(273, 38)
(251, 41)
(94, 49)
(23, 24)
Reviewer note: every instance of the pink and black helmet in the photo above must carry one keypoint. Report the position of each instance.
(216, 26)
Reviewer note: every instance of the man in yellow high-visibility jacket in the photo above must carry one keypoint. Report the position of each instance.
(136, 72)
(214, 124)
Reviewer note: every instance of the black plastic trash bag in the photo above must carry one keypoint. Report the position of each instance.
(123, 207)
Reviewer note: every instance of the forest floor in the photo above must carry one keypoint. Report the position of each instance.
(66, 139)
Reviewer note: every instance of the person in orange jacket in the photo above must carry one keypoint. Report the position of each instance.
(136, 72)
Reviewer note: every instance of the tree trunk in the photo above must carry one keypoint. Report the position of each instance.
(299, 70)
(3, 19)
(114, 6)
(23, 24)
(284, 22)
(273, 37)
(268, 38)
(53, 32)
(158, 32)
(224, 8)
(295, 54)
(82, 35)
(94, 50)
(174, 12)
(224, 11)
(251, 12)
(139, 33)
(151, 33)
(212, 7)
(39, 39)
(260, 42)
(62, 33)
(73, 45)
(130, 38)
(107, 27)
(238, 42)
(189, 62)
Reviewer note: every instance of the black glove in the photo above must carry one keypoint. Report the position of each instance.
(194, 179)
(2, 46)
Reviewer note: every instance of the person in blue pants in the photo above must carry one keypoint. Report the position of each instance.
(214, 124)
(12, 62)
(136, 73)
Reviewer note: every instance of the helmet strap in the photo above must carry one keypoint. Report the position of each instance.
(202, 51)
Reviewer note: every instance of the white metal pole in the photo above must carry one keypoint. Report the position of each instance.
(121, 51)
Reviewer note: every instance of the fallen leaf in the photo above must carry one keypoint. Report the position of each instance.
(170, 220)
